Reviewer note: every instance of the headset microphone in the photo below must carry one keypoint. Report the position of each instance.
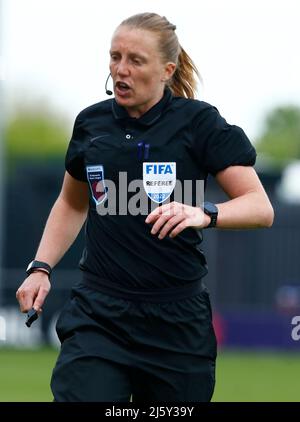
(108, 92)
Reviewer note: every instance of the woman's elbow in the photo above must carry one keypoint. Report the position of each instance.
(267, 215)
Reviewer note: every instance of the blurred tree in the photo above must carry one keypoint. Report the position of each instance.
(280, 139)
(35, 131)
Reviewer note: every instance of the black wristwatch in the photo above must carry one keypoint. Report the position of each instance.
(210, 209)
(38, 265)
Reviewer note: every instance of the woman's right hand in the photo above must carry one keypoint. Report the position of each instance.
(33, 291)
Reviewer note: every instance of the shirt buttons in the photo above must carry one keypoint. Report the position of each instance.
(128, 136)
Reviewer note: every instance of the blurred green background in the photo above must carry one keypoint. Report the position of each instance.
(241, 376)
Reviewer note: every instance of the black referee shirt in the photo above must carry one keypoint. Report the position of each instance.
(188, 134)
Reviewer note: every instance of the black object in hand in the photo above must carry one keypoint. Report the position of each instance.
(32, 315)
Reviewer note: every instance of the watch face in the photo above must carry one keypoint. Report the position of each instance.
(210, 208)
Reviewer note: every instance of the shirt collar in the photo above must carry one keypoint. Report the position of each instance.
(150, 117)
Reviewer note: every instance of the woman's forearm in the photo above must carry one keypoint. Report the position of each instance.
(63, 226)
(248, 211)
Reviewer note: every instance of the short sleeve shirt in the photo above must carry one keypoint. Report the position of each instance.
(126, 162)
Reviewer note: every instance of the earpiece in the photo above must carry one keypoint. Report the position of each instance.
(108, 91)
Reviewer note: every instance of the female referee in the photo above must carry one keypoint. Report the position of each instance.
(139, 323)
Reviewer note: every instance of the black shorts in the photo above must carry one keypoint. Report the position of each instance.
(114, 349)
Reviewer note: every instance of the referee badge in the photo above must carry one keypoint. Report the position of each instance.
(159, 180)
(95, 177)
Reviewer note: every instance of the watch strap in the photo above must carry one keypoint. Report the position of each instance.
(38, 266)
(213, 221)
(211, 210)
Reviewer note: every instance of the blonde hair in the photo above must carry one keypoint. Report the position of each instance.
(183, 82)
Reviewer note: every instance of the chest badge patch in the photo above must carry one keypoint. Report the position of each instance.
(159, 180)
(95, 176)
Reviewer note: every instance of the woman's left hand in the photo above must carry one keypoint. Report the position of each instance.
(174, 217)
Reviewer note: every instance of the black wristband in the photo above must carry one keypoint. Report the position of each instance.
(38, 265)
(211, 210)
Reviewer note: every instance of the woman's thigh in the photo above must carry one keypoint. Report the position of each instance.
(88, 378)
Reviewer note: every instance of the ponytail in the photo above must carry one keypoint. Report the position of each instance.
(183, 83)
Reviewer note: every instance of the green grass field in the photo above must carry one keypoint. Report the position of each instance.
(25, 375)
